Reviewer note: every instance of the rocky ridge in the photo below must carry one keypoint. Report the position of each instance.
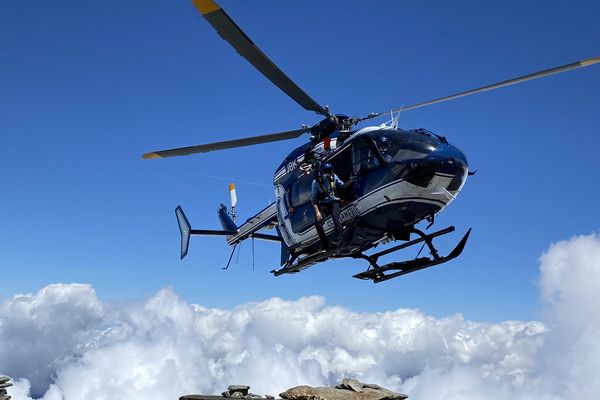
(349, 389)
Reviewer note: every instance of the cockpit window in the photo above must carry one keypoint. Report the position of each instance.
(395, 145)
(458, 180)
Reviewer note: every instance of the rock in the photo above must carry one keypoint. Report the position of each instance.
(349, 389)
(240, 392)
(351, 384)
(233, 395)
(4, 383)
(239, 388)
(236, 391)
(372, 386)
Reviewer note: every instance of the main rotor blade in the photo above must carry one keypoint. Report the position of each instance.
(227, 144)
(508, 82)
(232, 33)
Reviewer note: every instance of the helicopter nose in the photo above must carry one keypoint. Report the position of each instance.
(452, 163)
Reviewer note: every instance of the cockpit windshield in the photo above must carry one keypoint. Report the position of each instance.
(396, 145)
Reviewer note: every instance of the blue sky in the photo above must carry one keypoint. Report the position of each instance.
(88, 87)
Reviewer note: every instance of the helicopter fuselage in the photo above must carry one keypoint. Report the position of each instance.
(415, 176)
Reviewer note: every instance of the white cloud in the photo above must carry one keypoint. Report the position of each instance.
(570, 288)
(67, 344)
(41, 333)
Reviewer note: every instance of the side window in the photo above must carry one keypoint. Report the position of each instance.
(299, 193)
(365, 157)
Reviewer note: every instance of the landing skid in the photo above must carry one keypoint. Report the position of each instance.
(377, 273)
(304, 262)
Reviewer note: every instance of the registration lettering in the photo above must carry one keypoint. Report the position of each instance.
(346, 215)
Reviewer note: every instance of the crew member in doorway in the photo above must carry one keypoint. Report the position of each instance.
(325, 200)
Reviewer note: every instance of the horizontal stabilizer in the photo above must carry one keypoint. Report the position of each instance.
(212, 232)
(186, 231)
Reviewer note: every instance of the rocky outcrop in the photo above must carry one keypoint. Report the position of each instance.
(4, 384)
(349, 389)
(240, 392)
(233, 392)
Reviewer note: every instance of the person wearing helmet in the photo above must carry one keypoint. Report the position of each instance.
(325, 199)
(384, 144)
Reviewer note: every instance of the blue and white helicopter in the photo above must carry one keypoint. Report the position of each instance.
(400, 177)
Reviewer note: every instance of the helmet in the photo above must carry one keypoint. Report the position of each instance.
(384, 143)
(326, 168)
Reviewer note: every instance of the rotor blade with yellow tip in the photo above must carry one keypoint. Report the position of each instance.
(227, 144)
(508, 82)
(232, 33)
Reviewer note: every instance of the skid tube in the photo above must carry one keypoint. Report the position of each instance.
(377, 273)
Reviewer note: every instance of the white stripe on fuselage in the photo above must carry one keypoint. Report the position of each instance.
(395, 192)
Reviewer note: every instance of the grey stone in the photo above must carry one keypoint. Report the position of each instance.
(5, 385)
(351, 384)
(238, 388)
(372, 386)
(234, 395)
(236, 391)
(4, 379)
(269, 397)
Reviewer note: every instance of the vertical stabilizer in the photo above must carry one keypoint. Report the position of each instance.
(185, 230)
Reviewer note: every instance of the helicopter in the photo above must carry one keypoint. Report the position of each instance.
(399, 178)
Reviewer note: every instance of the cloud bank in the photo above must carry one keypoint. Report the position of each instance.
(64, 343)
